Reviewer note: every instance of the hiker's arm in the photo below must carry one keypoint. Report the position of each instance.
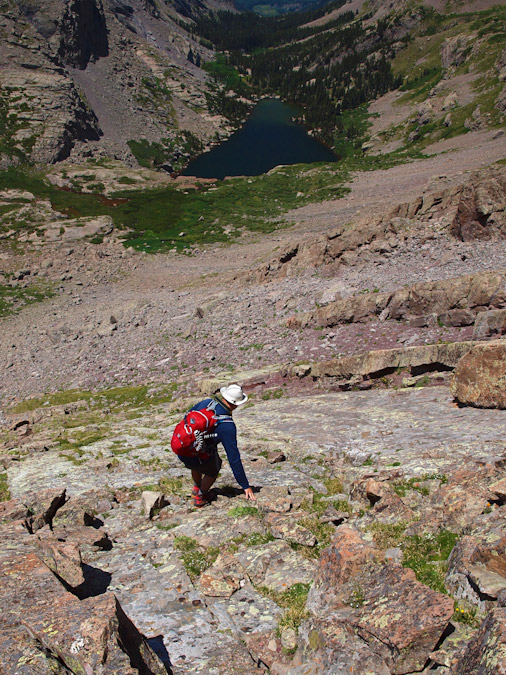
(227, 435)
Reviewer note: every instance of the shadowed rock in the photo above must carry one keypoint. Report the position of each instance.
(43, 508)
(40, 618)
(376, 364)
(481, 209)
(62, 558)
(83, 33)
(486, 652)
(477, 570)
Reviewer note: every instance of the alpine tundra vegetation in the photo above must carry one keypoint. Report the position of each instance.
(360, 304)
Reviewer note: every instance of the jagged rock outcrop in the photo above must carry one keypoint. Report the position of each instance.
(481, 208)
(57, 616)
(92, 633)
(480, 376)
(477, 568)
(480, 201)
(486, 653)
(87, 76)
(352, 370)
(454, 302)
(454, 50)
(361, 617)
(83, 33)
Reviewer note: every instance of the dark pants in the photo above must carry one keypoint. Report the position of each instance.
(209, 466)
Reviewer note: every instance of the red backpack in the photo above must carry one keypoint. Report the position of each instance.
(189, 434)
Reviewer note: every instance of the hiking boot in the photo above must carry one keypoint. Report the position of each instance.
(195, 490)
(201, 499)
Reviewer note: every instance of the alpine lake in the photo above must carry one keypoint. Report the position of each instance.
(268, 138)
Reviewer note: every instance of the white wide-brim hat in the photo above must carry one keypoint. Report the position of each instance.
(234, 394)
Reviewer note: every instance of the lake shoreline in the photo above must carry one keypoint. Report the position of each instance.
(271, 136)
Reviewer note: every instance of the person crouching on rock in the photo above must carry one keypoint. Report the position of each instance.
(206, 466)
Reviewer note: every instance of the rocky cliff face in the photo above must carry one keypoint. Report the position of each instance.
(83, 33)
(100, 74)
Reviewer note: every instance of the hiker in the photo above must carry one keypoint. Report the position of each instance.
(205, 466)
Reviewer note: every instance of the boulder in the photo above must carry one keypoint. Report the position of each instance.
(481, 208)
(62, 557)
(43, 508)
(477, 570)
(450, 101)
(499, 489)
(401, 618)
(480, 376)
(286, 527)
(458, 504)
(152, 502)
(329, 645)
(81, 510)
(344, 560)
(223, 577)
(51, 626)
(274, 498)
(486, 652)
(385, 622)
(457, 317)
(489, 324)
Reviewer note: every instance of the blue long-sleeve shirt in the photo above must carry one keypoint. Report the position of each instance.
(226, 435)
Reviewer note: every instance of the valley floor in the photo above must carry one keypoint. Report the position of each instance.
(122, 317)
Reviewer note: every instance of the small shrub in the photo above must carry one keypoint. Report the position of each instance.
(258, 539)
(427, 556)
(322, 531)
(272, 393)
(334, 485)
(240, 511)
(195, 558)
(173, 486)
(466, 615)
(356, 598)
(5, 494)
(387, 535)
(165, 527)
(293, 601)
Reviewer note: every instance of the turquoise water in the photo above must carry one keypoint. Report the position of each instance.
(267, 139)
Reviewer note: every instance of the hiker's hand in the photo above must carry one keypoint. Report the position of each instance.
(249, 494)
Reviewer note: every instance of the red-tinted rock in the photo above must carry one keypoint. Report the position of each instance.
(486, 652)
(44, 506)
(401, 618)
(342, 561)
(477, 570)
(41, 619)
(62, 558)
(480, 212)
(223, 577)
(13, 509)
(480, 376)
